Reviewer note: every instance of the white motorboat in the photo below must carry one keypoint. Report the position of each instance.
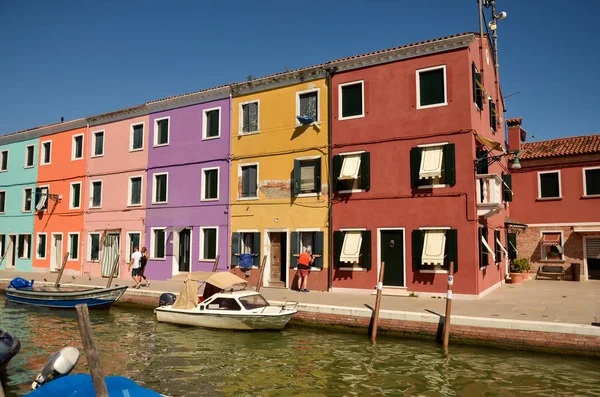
(224, 304)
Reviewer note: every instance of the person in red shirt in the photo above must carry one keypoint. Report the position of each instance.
(304, 261)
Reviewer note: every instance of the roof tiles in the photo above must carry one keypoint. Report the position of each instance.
(577, 145)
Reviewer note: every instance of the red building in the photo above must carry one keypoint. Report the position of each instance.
(408, 124)
(557, 194)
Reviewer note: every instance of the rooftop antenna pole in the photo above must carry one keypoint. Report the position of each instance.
(480, 4)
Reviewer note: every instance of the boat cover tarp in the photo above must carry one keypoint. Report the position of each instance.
(19, 282)
(82, 385)
(221, 280)
(188, 296)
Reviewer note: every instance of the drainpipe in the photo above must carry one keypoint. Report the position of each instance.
(479, 2)
(329, 74)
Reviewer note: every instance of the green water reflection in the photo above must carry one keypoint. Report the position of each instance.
(181, 361)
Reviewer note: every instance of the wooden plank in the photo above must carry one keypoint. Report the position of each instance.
(62, 269)
(377, 304)
(114, 269)
(216, 263)
(262, 271)
(91, 353)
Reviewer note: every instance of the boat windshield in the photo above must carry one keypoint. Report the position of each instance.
(254, 302)
(224, 304)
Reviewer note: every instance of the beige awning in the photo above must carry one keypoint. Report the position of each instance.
(351, 247)
(551, 239)
(502, 247)
(350, 167)
(434, 246)
(487, 247)
(490, 144)
(220, 280)
(431, 162)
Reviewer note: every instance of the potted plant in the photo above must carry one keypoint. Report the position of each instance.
(553, 255)
(519, 269)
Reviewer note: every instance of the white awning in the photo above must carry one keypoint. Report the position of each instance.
(43, 197)
(485, 243)
(502, 247)
(431, 162)
(433, 247)
(350, 167)
(351, 247)
(514, 248)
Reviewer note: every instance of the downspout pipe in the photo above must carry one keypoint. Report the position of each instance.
(328, 81)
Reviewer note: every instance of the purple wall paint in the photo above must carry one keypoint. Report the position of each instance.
(183, 159)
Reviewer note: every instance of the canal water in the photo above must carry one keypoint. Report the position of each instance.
(182, 361)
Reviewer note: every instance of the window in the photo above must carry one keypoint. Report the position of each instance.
(433, 249)
(24, 246)
(245, 243)
(96, 196)
(136, 141)
(249, 117)
(208, 243)
(94, 246)
(512, 246)
(249, 188)
(135, 190)
(161, 131)
(27, 197)
(2, 244)
(160, 188)
(41, 198)
(73, 246)
(210, 184)
(431, 87)
(4, 160)
(352, 249)
(158, 243)
(552, 246)
(29, 156)
(307, 105)
(254, 302)
(432, 166)
(484, 248)
(351, 172)
(2, 202)
(549, 184)
(223, 304)
(307, 176)
(211, 125)
(133, 240)
(46, 152)
(591, 181)
(40, 251)
(304, 241)
(493, 116)
(98, 144)
(477, 87)
(75, 202)
(77, 147)
(352, 100)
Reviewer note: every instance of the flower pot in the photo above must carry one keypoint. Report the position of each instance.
(516, 278)
(525, 276)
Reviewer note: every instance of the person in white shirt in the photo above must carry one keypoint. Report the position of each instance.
(137, 268)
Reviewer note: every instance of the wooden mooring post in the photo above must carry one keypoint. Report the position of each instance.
(91, 353)
(262, 271)
(377, 303)
(216, 265)
(112, 273)
(60, 272)
(1, 390)
(448, 305)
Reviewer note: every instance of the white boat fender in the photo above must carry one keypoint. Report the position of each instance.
(59, 364)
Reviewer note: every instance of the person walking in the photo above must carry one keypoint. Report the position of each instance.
(135, 262)
(304, 261)
(143, 262)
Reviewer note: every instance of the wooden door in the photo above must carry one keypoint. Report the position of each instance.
(392, 253)
(275, 276)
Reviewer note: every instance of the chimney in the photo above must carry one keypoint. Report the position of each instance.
(516, 134)
(62, 119)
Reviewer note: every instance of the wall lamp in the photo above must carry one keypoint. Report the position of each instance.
(489, 160)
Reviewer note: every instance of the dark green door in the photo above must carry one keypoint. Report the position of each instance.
(184, 250)
(392, 253)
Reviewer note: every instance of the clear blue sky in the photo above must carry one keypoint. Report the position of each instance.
(79, 58)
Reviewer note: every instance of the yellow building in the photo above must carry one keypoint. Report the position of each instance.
(279, 184)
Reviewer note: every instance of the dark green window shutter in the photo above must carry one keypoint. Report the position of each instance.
(256, 249)
(477, 92)
(74, 246)
(2, 244)
(418, 238)
(294, 249)
(236, 248)
(452, 247)
(507, 193)
(212, 120)
(318, 249)
(338, 241)
(297, 176)
(161, 236)
(449, 164)
(493, 116)
(483, 253)
(337, 169)
(365, 250)
(415, 165)
(482, 165)
(497, 249)
(365, 171)
(76, 195)
(512, 246)
(318, 176)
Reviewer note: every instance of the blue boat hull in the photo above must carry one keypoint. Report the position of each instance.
(65, 299)
(81, 385)
(9, 347)
(66, 304)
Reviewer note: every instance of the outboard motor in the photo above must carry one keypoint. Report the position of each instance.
(167, 299)
(59, 364)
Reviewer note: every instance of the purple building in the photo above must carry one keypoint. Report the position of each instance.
(187, 216)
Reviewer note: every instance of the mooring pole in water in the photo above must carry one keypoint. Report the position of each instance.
(60, 272)
(262, 271)
(1, 390)
(377, 303)
(448, 305)
(91, 353)
(114, 269)
(216, 263)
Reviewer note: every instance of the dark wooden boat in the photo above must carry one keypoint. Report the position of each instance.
(9, 347)
(64, 298)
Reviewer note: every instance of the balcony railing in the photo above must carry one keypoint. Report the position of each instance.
(489, 194)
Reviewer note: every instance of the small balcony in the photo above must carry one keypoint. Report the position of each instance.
(489, 194)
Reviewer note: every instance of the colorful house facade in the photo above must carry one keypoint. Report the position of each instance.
(187, 193)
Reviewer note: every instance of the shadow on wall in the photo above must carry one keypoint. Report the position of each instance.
(423, 278)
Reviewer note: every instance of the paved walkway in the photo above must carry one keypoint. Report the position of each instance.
(534, 300)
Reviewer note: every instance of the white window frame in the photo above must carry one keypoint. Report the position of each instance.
(4, 153)
(205, 123)
(89, 250)
(32, 157)
(42, 187)
(93, 148)
(543, 256)
(241, 118)
(37, 245)
(153, 243)
(203, 180)
(3, 210)
(71, 207)
(583, 170)
(69, 234)
(539, 181)
(130, 191)
(154, 188)
(298, 93)
(309, 158)
(92, 193)
(42, 152)
(25, 199)
(128, 246)
(341, 98)
(335, 176)
(240, 176)
(201, 253)
(28, 246)
(156, 144)
(417, 73)
(143, 124)
(74, 147)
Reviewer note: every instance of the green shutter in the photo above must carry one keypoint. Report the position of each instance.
(74, 246)
(297, 177)
(236, 240)
(507, 193)
(337, 169)
(415, 165)
(318, 250)
(338, 241)
(492, 115)
(497, 249)
(212, 118)
(365, 171)
(76, 195)
(365, 250)
(2, 244)
(418, 238)
(257, 260)
(161, 235)
(483, 253)
(318, 176)
(450, 164)
(477, 92)
(512, 245)
(41, 251)
(294, 249)
(452, 247)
